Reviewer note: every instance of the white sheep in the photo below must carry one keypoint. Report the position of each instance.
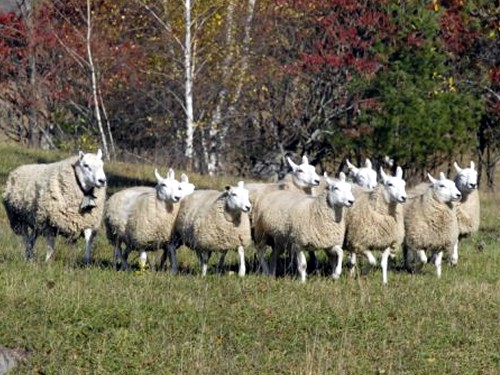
(468, 209)
(431, 221)
(143, 218)
(298, 222)
(66, 198)
(376, 221)
(365, 177)
(303, 178)
(210, 220)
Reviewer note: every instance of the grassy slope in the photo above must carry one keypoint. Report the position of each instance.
(74, 320)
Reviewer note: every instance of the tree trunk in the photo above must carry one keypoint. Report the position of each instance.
(188, 67)
(93, 75)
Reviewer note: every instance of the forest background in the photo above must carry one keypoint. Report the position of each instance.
(232, 87)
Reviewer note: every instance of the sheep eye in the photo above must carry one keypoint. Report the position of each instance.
(86, 166)
(390, 184)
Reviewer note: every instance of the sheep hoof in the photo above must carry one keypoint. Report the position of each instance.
(335, 276)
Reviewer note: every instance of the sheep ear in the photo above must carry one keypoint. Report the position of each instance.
(342, 176)
(442, 176)
(157, 175)
(327, 179)
(399, 172)
(171, 174)
(184, 178)
(431, 179)
(305, 160)
(472, 165)
(383, 175)
(80, 155)
(241, 184)
(368, 163)
(99, 154)
(457, 168)
(350, 166)
(292, 164)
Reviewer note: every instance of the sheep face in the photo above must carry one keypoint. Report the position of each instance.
(339, 192)
(237, 198)
(304, 175)
(90, 170)
(168, 189)
(394, 186)
(366, 177)
(466, 178)
(445, 189)
(186, 187)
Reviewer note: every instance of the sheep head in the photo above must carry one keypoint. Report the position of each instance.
(89, 170)
(394, 186)
(444, 189)
(466, 178)
(304, 175)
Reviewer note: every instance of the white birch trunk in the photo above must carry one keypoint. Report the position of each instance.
(188, 66)
(95, 97)
(218, 128)
(211, 147)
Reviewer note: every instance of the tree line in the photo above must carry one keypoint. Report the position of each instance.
(230, 86)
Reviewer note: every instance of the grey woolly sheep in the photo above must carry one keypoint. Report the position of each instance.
(66, 198)
(143, 218)
(468, 209)
(431, 222)
(376, 221)
(210, 220)
(299, 222)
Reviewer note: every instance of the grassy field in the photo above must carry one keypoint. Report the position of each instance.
(76, 320)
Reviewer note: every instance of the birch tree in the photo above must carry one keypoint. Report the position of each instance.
(231, 70)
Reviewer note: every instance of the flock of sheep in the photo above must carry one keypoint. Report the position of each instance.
(358, 214)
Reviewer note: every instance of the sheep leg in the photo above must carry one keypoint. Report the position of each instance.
(422, 256)
(301, 262)
(262, 260)
(29, 243)
(117, 254)
(241, 253)
(336, 254)
(143, 259)
(352, 263)
(51, 240)
(371, 259)
(313, 261)
(275, 255)
(222, 259)
(171, 251)
(438, 262)
(89, 235)
(384, 262)
(204, 257)
(125, 266)
(454, 254)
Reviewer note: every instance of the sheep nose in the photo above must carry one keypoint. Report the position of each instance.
(472, 186)
(316, 182)
(101, 181)
(350, 202)
(403, 198)
(247, 208)
(458, 195)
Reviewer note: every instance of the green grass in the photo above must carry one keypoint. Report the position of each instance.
(76, 320)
